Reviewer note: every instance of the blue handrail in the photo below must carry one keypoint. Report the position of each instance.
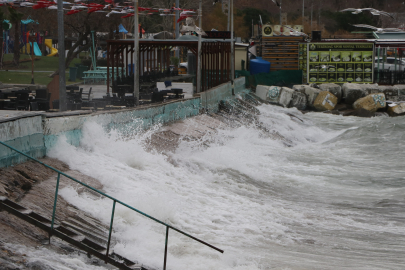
(113, 209)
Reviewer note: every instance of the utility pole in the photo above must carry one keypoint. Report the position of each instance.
(177, 28)
(136, 53)
(253, 30)
(312, 7)
(319, 16)
(199, 73)
(280, 12)
(232, 47)
(229, 15)
(61, 48)
(303, 13)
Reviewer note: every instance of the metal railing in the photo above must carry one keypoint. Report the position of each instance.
(389, 77)
(113, 209)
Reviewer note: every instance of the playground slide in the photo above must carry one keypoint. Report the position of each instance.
(48, 43)
(37, 51)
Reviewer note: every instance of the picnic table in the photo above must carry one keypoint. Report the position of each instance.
(95, 75)
(100, 74)
(120, 70)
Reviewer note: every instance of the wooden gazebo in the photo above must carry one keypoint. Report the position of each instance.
(154, 56)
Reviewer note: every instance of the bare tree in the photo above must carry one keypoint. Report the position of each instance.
(81, 26)
(15, 18)
(2, 16)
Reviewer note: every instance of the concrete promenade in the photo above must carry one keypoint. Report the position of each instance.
(34, 133)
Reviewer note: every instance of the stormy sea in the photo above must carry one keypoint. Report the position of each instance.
(326, 193)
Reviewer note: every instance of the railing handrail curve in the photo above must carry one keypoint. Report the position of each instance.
(114, 200)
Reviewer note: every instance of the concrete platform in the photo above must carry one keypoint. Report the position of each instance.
(6, 116)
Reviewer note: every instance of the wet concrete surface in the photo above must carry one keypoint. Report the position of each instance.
(33, 187)
(6, 116)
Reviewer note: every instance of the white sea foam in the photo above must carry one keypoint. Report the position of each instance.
(330, 201)
(44, 258)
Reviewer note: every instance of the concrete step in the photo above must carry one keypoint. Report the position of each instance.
(69, 235)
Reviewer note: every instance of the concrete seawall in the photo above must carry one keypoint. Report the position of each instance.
(35, 133)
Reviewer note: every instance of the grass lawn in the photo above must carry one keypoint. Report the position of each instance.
(19, 77)
(44, 64)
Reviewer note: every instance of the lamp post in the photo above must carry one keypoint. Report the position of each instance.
(32, 40)
(177, 29)
(229, 15)
(199, 73)
(312, 7)
(61, 48)
(136, 53)
(232, 48)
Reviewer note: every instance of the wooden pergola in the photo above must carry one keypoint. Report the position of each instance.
(154, 56)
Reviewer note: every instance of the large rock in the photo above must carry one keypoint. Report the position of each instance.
(310, 92)
(371, 88)
(397, 98)
(325, 101)
(389, 92)
(352, 92)
(299, 87)
(275, 94)
(400, 88)
(359, 112)
(334, 88)
(371, 103)
(299, 101)
(397, 110)
(285, 96)
(261, 91)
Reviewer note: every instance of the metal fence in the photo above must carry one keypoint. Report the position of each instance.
(389, 77)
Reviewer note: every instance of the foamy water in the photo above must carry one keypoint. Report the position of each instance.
(334, 199)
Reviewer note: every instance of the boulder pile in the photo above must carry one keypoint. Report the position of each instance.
(365, 100)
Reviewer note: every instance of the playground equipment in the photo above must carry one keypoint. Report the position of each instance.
(48, 43)
(37, 50)
(6, 35)
(25, 44)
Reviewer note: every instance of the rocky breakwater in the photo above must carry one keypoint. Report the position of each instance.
(349, 99)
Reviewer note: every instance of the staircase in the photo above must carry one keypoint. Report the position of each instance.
(73, 235)
(69, 233)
